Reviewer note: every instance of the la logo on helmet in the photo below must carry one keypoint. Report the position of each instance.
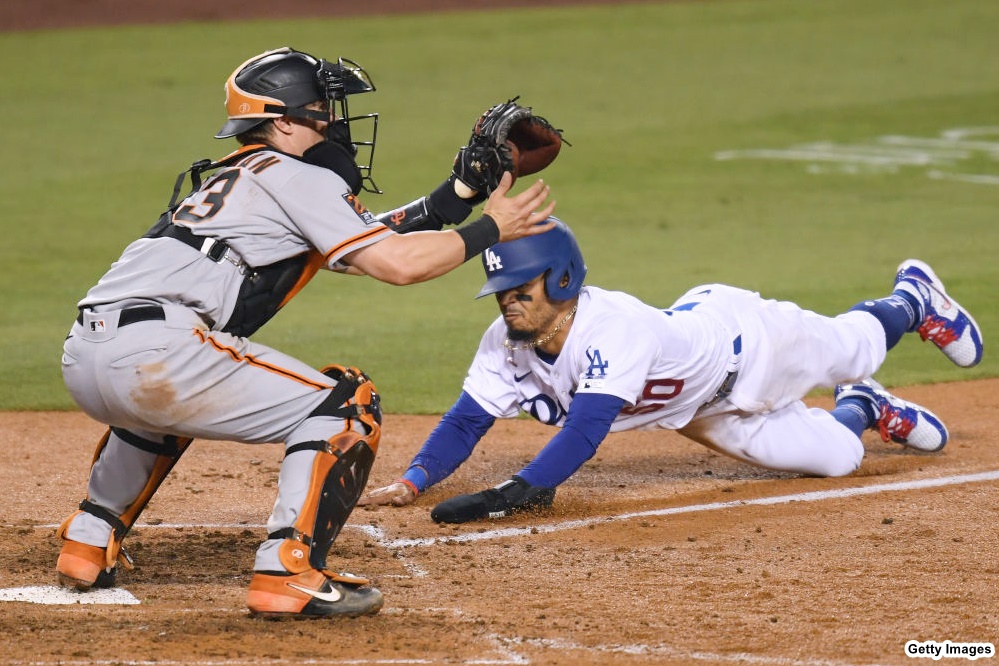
(493, 261)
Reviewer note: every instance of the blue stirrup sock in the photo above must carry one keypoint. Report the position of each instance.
(856, 414)
(898, 313)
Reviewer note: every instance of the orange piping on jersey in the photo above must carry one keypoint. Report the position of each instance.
(343, 248)
(312, 265)
(252, 360)
(253, 147)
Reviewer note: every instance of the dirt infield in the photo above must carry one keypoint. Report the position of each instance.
(658, 551)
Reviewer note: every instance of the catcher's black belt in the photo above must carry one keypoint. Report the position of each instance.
(135, 315)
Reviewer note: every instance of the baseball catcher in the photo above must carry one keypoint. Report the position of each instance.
(721, 365)
(160, 349)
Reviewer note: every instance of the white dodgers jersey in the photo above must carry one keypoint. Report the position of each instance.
(665, 364)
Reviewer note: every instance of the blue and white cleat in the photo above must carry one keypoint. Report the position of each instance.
(898, 420)
(943, 321)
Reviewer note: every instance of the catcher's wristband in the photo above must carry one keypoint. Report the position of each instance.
(479, 235)
(446, 206)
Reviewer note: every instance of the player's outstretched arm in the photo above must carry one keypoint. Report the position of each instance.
(424, 255)
(448, 446)
(533, 488)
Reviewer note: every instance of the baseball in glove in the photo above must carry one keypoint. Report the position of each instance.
(507, 137)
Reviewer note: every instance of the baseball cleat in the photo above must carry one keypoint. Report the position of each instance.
(311, 594)
(943, 321)
(81, 566)
(896, 419)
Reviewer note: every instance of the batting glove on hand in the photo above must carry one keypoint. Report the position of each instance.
(399, 493)
(509, 497)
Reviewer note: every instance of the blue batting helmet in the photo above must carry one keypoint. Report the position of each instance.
(517, 262)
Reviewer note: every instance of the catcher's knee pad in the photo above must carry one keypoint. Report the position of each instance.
(355, 399)
(339, 474)
(167, 454)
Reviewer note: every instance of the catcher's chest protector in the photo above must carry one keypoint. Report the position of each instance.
(265, 290)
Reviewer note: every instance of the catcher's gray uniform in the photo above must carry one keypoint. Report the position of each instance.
(153, 351)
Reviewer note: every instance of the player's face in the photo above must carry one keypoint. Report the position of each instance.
(307, 132)
(527, 311)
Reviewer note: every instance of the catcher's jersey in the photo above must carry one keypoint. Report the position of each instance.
(664, 364)
(267, 206)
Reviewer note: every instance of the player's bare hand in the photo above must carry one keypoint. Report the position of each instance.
(396, 494)
(519, 215)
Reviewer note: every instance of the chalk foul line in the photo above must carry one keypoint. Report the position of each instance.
(378, 534)
(813, 496)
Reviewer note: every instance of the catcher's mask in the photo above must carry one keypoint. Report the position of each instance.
(283, 81)
(554, 253)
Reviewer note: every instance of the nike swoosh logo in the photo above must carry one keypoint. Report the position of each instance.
(521, 377)
(331, 596)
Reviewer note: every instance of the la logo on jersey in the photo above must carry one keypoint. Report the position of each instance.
(493, 261)
(598, 367)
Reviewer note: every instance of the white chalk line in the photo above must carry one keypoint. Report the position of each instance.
(887, 153)
(378, 534)
(813, 496)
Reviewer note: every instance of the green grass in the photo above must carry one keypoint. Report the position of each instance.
(97, 123)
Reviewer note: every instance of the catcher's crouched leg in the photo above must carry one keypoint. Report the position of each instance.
(307, 589)
(82, 566)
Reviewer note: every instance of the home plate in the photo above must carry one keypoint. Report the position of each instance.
(50, 594)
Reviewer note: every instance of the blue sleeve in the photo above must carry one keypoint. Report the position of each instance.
(586, 425)
(450, 443)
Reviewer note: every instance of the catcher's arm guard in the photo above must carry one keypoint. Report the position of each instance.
(430, 213)
(507, 137)
(512, 496)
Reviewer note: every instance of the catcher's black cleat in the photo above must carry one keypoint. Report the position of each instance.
(312, 594)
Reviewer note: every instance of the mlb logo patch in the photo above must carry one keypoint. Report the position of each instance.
(97, 326)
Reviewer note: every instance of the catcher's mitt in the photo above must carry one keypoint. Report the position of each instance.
(507, 137)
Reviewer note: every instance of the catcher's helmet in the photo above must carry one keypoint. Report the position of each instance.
(517, 262)
(283, 81)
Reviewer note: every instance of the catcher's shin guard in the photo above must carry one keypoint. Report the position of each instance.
(307, 588)
(83, 566)
(339, 473)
